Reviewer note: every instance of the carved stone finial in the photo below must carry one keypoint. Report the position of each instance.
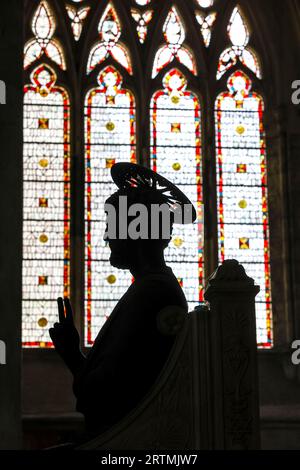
(231, 270)
(230, 277)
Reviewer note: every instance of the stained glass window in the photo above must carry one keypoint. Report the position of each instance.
(176, 154)
(46, 242)
(206, 23)
(142, 20)
(43, 27)
(238, 33)
(142, 2)
(77, 18)
(174, 35)
(109, 138)
(109, 135)
(109, 29)
(242, 190)
(205, 3)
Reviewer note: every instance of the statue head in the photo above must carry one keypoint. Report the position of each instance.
(141, 214)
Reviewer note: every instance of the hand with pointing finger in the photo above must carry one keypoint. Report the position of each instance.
(65, 336)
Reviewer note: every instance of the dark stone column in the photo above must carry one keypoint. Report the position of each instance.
(233, 358)
(11, 58)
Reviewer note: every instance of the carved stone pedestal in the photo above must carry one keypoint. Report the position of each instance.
(231, 330)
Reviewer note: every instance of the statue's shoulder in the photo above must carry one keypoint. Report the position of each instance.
(161, 289)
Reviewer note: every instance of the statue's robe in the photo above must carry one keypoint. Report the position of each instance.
(128, 353)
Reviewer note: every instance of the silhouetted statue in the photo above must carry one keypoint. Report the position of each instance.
(130, 349)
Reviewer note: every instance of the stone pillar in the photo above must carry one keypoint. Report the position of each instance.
(11, 76)
(233, 358)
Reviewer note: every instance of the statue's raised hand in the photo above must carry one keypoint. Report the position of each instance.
(65, 336)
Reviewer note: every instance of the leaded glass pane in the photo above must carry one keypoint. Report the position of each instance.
(43, 26)
(174, 35)
(243, 224)
(239, 36)
(109, 138)
(46, 213)
(176, 154)
(109, 29)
